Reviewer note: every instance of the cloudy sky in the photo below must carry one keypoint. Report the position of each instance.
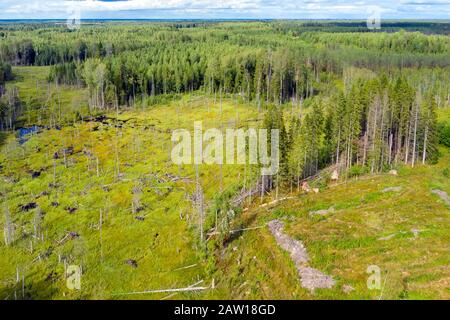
(229, 9)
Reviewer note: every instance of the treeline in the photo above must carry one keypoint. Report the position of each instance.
(371, 127)
(5, 75)
(9, 101)
(10, 109)
(248, 59)
(27, 53)
(298, 27)
(386, 42)
(263, 75)
(136, 74)
(51, 45)
(291, 73)
(125, 64)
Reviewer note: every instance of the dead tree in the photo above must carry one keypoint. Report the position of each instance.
(8, 229)
(136, 202)
(37, 224)
(198, 200)
(415, 132)
(100, 227)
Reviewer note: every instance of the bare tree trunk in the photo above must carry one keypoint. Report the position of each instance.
(199, 199)
(269, 78)
(374, 134)
(338, 146)
(281, 88)
(383, 132)
(100, 231)
(37, 224)
(8, 229)
(425, 140)
(415, 135)
(391, 137)
(408, 138)
(259, 93)
(366, 137)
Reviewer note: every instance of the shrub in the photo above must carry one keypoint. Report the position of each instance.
(357, 170)
(446, 172)
(444, 133)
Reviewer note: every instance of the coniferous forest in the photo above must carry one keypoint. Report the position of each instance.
(86, 118)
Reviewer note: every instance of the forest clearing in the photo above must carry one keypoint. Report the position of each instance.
(88, 179)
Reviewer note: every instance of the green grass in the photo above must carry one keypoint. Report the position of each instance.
(47, 104)
(131, 150)
(345, 242)
(160, 244)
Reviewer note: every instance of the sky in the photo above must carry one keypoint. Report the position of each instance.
(224, 9)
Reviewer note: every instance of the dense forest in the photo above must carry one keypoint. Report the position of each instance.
(5, 75)
(373, 96)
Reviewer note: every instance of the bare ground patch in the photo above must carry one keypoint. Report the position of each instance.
(310, 278)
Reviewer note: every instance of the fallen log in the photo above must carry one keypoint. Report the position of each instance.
(190, 288)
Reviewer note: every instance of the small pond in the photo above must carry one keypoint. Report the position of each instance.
(25, 132)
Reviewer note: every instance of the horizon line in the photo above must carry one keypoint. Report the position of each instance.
(227, 19)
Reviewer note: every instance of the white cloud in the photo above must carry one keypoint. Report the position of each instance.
(49, 6)
(226, 8)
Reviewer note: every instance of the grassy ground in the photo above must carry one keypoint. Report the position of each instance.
(115, 162)
(345, 242)
(46, 104)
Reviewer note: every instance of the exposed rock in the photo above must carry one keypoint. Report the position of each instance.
(415, 232)
(294, 247)
(314, 279)
(321, 212)
(346, 288)
(316, 190)
(392, 189)
(393, 172)
(310, 278)
(443, 195)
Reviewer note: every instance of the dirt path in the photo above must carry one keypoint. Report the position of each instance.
(310, 278)
(443, 195)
